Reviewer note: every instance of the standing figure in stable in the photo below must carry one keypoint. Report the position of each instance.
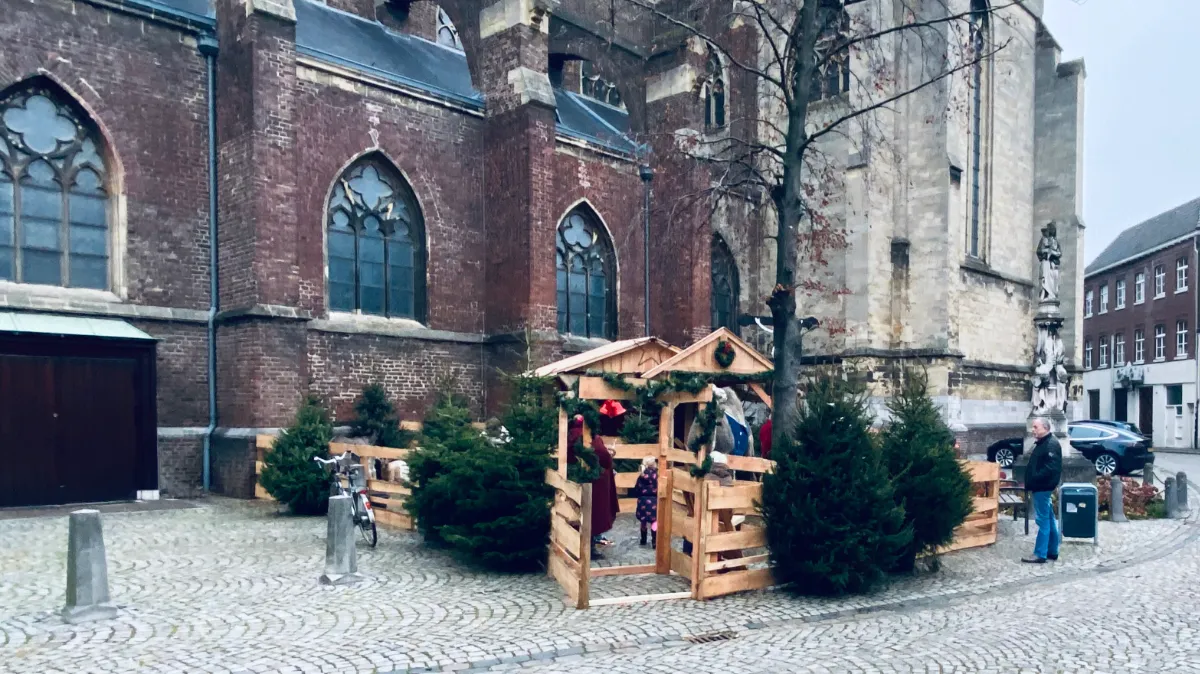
(646, 491)
(604, 488)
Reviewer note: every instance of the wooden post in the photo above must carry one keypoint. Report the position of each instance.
(666, 490)
(585, 545)
(703, 522)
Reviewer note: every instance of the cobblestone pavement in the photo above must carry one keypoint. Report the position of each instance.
(232, 587)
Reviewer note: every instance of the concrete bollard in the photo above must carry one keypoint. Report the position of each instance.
(87, 570)
(1170, 498)
(1148, 474)
(341, 557)
(1181, 488)
(1116, 506)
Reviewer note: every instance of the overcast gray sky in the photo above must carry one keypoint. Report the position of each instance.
(1141, 137)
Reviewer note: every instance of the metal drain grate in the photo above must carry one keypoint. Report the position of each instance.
(711, 637)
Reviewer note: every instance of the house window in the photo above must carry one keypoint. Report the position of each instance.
(1087, 355)
(447, 34)
(1139, 287)
(1119, 350)
(1160, 342)
(1181, 275)
(1139, 345)
(1120, 294)
(714, 91)
(724, 286)
(1103, 351)
(586, 277)
(831, 77)
(54, 227)
(1087, 304)
(1160, 281)
(376, 243)
(1104, 298)
(1181, 339)
(595, 87)
(980, 35)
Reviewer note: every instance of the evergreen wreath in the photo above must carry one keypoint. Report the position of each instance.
(724, 354)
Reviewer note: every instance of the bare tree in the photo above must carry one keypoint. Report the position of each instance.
(873, 54)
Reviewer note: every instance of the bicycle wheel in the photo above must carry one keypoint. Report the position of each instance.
(366, 525)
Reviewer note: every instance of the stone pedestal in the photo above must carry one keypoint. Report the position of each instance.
(87, 570)
(341, 557)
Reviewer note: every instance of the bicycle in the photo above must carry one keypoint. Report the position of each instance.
(360, 505)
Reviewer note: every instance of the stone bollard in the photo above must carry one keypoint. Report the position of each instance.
(1181, 489)
(341, 557)
(1170, 498)
(1148, 474)
(87, 570)
(1116, 506)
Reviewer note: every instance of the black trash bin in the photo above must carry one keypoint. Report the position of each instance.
(1078, 509)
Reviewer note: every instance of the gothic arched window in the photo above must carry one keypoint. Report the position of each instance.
(714, 91)
(594, 86)
(376, 243)
(724, 300)
(54, 227)
(586, 276)
(447, 34)
(980, 103)
(831, 77)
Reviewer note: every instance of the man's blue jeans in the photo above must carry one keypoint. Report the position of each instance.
(1048, 535)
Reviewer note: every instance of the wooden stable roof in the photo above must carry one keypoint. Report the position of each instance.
(628, 356)
(699, 358)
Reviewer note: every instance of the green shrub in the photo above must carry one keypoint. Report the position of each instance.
(376, 419)
(488, 502)
(832, 522)
(928, 480)
(289, 473)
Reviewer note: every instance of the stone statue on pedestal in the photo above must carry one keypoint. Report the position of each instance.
(1049, 255)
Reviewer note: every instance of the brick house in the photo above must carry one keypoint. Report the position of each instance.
(431, 195)
(1139, 320)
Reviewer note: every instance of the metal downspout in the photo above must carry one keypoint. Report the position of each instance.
(207, 45)
(647, 175)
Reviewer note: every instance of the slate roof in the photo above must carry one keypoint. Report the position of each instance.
(353, 42)
(1140, 239)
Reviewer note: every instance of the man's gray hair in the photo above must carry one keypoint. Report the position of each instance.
(1043, 421)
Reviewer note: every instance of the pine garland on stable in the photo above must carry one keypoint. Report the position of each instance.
(377, 420)
(929, 481)
(833, 525)
(289, 473)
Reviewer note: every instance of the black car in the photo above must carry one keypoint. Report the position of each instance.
(1111, 449)
(1006, 451)
(1123, 425)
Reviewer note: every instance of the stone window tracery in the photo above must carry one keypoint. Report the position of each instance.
(54, 216)
(447, 34)
(596, 87)
(585, 276)
(831, 77)
(980, 41)
(375, 243)
(713, 90)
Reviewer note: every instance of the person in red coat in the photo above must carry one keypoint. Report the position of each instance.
(764, 439)
(604, 488)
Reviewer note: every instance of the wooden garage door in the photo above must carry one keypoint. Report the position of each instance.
(68, 431)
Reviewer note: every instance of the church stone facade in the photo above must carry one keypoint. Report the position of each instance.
(429, 195)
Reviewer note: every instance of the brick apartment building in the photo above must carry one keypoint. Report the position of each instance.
(432, 194)
(1139, 328)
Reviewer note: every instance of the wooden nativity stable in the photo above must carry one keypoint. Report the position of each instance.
(700, 511)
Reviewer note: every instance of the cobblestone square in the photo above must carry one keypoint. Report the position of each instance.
(231, 586)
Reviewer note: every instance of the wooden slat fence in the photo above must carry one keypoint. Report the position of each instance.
(980, 528)
(570, 556)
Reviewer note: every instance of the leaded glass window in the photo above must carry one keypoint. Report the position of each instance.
(53, 197)
(447, 34)
(724, 300)
(586, 277)
(376, 243)
(831, 77)
(714, 91)
(979, 32)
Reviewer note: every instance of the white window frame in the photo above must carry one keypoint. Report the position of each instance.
(1119, 350)
(1139, 346)
(1103, 352)
(1104, 298)
(1160, 281)
(1087, 355)
(1119, 301)
(1087, 304)
(1139, 287)
(1181, 340)
(1181, 275)
(1160, 342)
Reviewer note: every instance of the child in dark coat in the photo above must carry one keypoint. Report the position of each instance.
(646, 491)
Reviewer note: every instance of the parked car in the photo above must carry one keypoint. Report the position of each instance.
(1006, 451)
(1111, 449)
(1123, 425)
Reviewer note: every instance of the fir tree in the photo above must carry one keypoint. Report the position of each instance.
(928, 480)
(445, 435)
(377, 420)
(833, 525)
(290, 475)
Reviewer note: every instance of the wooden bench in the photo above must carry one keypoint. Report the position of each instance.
(1013, 495)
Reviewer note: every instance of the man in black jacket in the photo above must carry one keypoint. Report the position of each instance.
(1042, 476)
